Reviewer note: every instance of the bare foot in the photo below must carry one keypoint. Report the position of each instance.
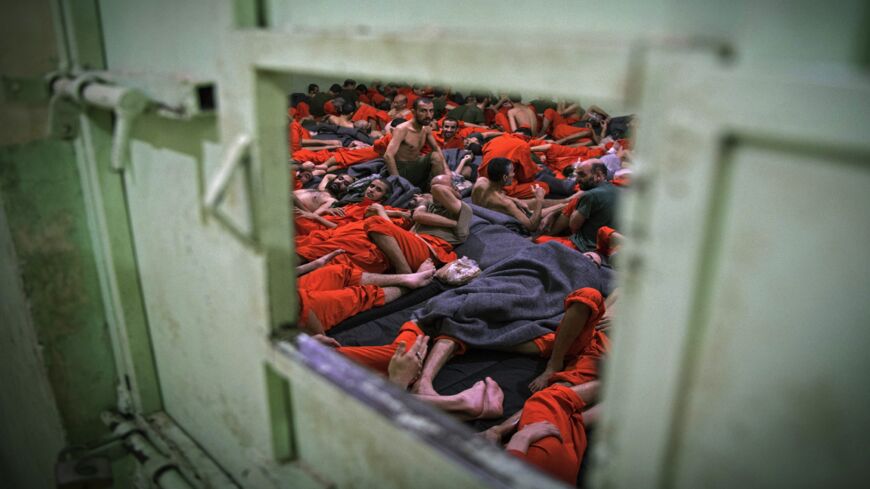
(493, 401)
(426, 265)
(419, 279)
(541, 381)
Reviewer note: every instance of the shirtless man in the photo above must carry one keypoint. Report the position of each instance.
(403, 153)
(328, 191)
(522, 115)
(343, 115)
(489, 193)
(399, 107)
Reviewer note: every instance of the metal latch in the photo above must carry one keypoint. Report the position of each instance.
(90, 90)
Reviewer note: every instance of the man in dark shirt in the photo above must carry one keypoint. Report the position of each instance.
(596, 207)
(472, 112)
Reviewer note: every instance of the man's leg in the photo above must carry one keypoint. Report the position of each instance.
(562, 407)
(403, 249)
(378, 357)
(421, 278)
(573, 323)
(483, 400)
(443, 349)
(390, 247)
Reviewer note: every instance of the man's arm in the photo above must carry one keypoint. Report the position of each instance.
(430, 138)
(430, 219)
(496, 433)
(315, 264)
(316, 217)
(392, 149)
(324, 206)
(576, 221)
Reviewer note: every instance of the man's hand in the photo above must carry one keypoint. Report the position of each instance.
(323, 260)
(377, 209)
(406, 365)
(326, 340)
(539, 192)
(595, 257)
(335, 211)
(492, 434)
(530, 434)
(303, 213)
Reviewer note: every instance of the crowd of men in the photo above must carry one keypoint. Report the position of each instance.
(556, 167)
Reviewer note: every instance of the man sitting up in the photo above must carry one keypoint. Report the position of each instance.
(489, 192)
(403, 155)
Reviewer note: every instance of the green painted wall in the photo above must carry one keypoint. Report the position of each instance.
(42, 197)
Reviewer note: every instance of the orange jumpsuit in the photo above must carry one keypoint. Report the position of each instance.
(352, 213)
(516, 149)
(378, 357)
(559, 157)
(296, 134)
(333, 293)
(362, 252)
(558, 404)
(501, 119)
(366, 112)
(563, 408)
(302, 111)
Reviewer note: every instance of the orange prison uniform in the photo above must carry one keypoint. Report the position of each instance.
(559, 157)
(296, 134)
(302, 111)
(333, 293)
(516, 149)
(563, 408)
(329, 108)
(558, 404)
(352, 213)
(378, 357)
(345, 157)
(501, 119)
(366, 112)
(415, 247)
(362, 252)
(581, 361)
(602, 241)
(565, 130)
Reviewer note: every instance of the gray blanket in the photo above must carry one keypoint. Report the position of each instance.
(513, 301)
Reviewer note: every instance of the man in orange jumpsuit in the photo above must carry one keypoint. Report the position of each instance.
(329, 294)
(514, 148)
(551, 426)
(377, 244)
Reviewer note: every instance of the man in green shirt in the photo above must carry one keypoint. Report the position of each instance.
(596, 207)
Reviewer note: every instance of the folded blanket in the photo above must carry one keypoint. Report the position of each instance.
(513, 301)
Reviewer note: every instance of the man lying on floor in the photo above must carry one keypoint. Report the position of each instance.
(377, 244)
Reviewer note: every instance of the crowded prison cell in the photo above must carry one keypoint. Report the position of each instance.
(464, 244)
